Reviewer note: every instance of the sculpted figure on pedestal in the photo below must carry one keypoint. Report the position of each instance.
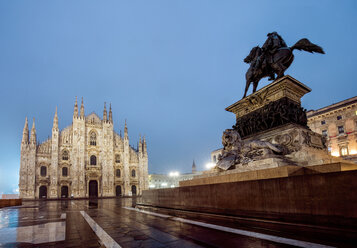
(236, 151)
(273, 58)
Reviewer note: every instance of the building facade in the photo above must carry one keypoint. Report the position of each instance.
(338, 123)
(172, 180)
(85, 159)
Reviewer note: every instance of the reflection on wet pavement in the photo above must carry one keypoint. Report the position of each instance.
(36, 234)
(112, 222)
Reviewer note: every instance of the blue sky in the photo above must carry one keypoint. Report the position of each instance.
(169, 67)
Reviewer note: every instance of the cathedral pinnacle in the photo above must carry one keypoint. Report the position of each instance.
(33, 133)
(55, 121)
(110, 113)
(75, 112)
(105, 117)
(25, 133)
(140, 145)
(144, 146)
(125, 130)
(82, 110)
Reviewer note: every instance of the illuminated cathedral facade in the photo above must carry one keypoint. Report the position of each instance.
(85, 159)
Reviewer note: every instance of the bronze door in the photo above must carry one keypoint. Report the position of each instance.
(64, 192)
(118, 190)
(43, 192)
(93, 188)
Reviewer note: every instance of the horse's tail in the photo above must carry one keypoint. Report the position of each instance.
(306, 45)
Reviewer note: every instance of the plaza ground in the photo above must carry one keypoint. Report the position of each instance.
(117, 223)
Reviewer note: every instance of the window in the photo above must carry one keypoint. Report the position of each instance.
(344, 151)
(323, 122)
(341, 129)
(43, 171)
(339, 117)
(214, 158)
(324, 133)
(133, 173)
(65, 155)
(93, 160)
(117, 158)
(117, 173)
(93, 139)
(64, 171)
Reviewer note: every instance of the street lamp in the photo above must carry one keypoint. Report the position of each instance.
(210, 165)
(174, 174)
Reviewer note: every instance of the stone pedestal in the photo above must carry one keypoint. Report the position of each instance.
(273, 129)
(274, 105)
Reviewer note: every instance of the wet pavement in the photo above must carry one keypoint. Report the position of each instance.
(115, 223)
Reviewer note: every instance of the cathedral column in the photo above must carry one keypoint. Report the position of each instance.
(23, 184)
(126, 172)
(79, 184)
(31, 166)
(53, 170)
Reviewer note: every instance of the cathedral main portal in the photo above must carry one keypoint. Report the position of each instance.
(93, 188)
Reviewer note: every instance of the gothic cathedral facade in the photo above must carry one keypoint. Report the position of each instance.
(86, 159)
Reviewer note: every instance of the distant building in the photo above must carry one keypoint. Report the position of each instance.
(338, 123)
(86, 159)
(160, 181)
(215, 154)
(10, 196)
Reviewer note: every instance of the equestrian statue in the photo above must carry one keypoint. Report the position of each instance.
(274, 57)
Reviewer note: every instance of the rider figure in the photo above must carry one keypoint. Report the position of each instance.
(271, 45)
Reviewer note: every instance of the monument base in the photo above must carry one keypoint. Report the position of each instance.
(313, 194)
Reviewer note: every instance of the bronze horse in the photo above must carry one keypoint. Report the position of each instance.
(281, 60)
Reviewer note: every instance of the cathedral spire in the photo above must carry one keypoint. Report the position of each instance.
(33, 133)
(75, 112)
(82, 110)
(110, 113)
(55, 121)
(144, 146)
(105, 117)
(25, 133)
(194, 169)
(125, 131)
(140, 146)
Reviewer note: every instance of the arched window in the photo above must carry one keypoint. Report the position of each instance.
(65, 155)
(43, 171)
(64, 171)
(117, 158)
(133, 173)
(117, 173)
(93, 160)
(93, 139)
